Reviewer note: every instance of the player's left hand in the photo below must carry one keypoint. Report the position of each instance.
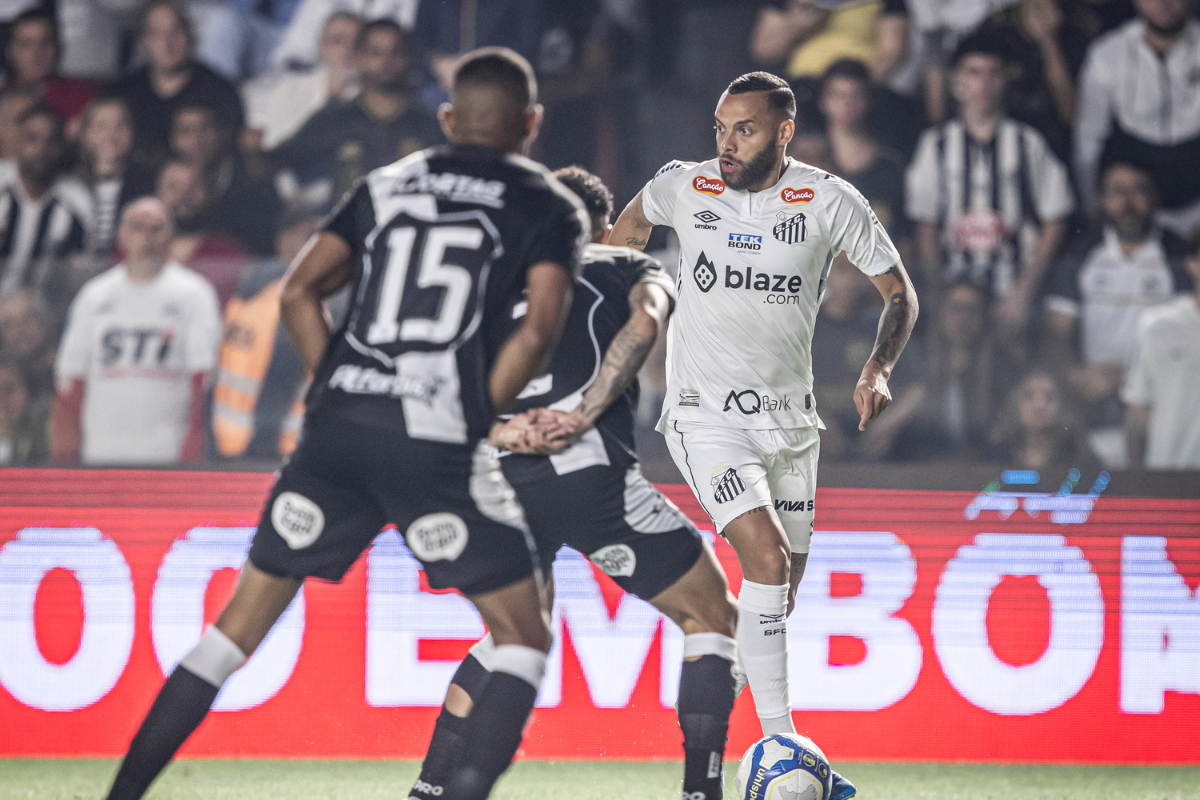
(871, 394)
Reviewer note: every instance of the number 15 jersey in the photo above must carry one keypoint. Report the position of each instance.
(752, 271)
(441, 241)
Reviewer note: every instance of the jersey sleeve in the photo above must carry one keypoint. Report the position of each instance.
(204, 334)
(1050, 186)
(562, 240)
(922, 181)
(854, 228)
(74, 351)
(644, 269)
(660, 193)
(353, 217)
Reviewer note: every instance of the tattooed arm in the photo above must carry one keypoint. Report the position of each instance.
(632, 229)
(871, 395)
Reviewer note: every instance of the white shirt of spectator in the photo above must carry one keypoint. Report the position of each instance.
(136, 346)
(751, 276)
(1166, 377)
(298, 45)
(280, 102)
(1113, 291)
(67, 208)
(978, 194)
(1153, 98)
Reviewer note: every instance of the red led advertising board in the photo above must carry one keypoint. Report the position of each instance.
(949, 626)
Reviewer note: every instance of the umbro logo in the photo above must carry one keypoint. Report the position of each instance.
(707, 218)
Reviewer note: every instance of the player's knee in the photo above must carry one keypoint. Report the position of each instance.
(769, 563)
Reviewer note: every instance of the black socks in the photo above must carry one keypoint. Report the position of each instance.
(705, 702)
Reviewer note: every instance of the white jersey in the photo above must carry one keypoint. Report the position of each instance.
(136, 346)
(752, 272)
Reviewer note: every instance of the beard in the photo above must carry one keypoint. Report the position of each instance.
(1170, 31)
(754, 171)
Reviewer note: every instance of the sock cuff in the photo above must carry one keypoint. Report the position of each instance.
(214, 658)
(484, 651)
(526, 663)
(709, 644)
(763, 598)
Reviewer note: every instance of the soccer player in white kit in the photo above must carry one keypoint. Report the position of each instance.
(758, 232)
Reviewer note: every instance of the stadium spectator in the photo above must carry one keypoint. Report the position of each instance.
(846, 328)
(195, 244)
(33, 52)
(808, 37)
(963, 379)
(172, 78)
(23, 420)
(257, 398)
(990, 198)
(347, 139)
(854, 154)
(107, 168)
(298, 48)
(1104, 281)
(1037, 428)
(13, 104)
(444, 31)
(26, 336)
(1163, 383)
(139, 344)
(237, 38)
(278, 103)
(1139, 103)
(1045, 50)
(44, 214)
(239, 206)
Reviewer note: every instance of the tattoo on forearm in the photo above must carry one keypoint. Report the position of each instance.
(622, 361)
(895, 325)
(633, 241)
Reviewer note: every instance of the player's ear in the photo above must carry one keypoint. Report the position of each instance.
(445, 117)
(607, 232)
(787, 129)
(533, 122)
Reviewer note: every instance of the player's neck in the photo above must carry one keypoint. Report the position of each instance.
(490, 140)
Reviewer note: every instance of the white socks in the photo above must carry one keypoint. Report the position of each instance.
(762, 648)
(214, 658)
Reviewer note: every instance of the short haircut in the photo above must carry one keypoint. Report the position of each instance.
(42, 110)
(980, 44)
(181, 15)
(596, 197)
(498, 68)
(779, 94)
(387, 25)
(37, 15)
(849, 69)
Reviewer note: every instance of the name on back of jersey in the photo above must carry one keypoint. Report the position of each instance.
(454, 187)
(367, 380)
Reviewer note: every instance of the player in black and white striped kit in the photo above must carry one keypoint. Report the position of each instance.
(436, 245)
(573, 466)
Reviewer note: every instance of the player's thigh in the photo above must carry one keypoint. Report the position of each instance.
(793, 479)
(700, 600)
(318, 518)
(459, 517)
(620, 522)
(725, 467)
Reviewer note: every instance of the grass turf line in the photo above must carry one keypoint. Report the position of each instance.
(26, 779)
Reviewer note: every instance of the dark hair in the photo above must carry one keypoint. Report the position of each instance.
(980, 44)
(36, 15)
(501, 68)
(181, 15)
(848, 68)
(596, 197)
(42, 110)
(779, 94)
(388, 25)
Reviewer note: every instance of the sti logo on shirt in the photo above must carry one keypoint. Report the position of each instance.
(137, 347)
(745, 242)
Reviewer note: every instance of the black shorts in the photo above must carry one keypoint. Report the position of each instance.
(347, 480)
(612, 515)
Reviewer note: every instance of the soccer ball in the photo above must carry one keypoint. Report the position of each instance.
(783, 766)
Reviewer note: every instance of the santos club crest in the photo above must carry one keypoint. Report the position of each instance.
(790, 229)
(705, 273)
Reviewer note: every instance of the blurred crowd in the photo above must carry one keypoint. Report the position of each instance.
(1036, 161)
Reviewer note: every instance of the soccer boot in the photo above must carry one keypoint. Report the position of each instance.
(840, 788)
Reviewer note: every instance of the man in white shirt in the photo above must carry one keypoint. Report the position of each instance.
(1160, 391)
(758, 232)
(140, 341)
(1139, 102)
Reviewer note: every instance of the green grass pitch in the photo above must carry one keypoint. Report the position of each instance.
(365, 780)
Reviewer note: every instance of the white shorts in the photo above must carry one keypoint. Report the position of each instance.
(732, 471)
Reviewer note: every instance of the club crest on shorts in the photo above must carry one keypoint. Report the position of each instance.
(615, 560)
(297, 520)
(790, 229)
(437, 537)
(726, 484)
